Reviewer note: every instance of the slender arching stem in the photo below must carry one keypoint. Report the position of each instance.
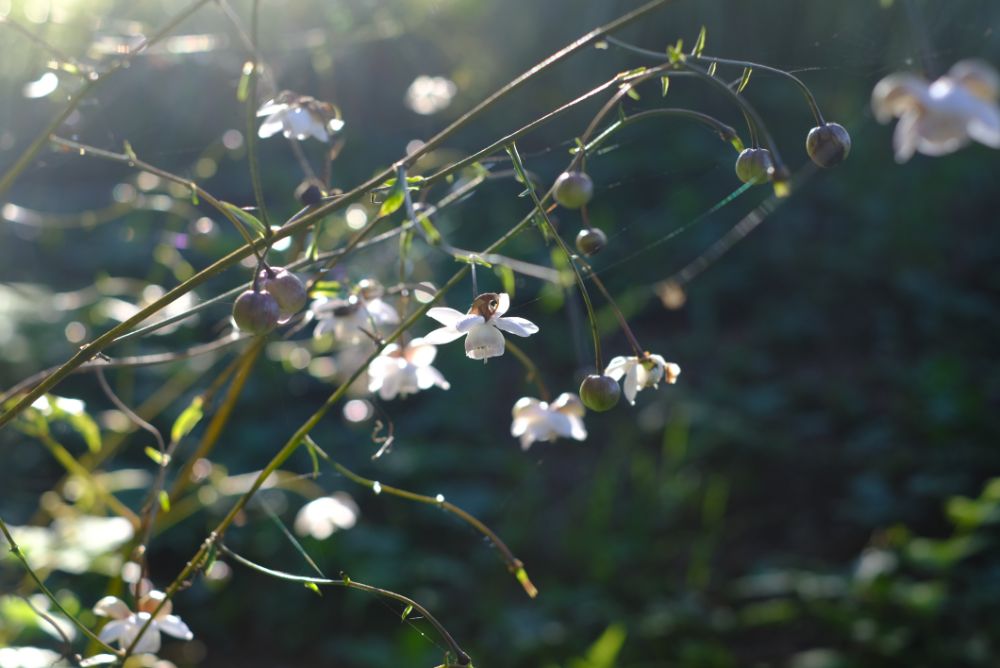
(726, 132)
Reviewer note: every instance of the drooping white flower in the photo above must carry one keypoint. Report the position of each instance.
(321, 517)
(403, 370)
(345, 318)
(942, 116)
(125, 625)
(429, 95)
(298, 116)
(641, 373)
(536, 420)
(481, 326)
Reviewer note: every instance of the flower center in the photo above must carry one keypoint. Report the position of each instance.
(485, 305)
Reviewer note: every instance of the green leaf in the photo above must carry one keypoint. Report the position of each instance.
(161, 458)
(406, 612)
(194, 194)
(665, 85)
(187, 420)
(326, 288)
(164, 501)
(394, 200)
(711, 68)
(213, 554)
(246, 217)
(745, 79)
(604, 652)
(130, 152)
(699, 44)
(632, 93)
(405, 243)
(473, 259)
(312, 586)
(676, 52)
(506, 278)
(243, 89)
(311, 449)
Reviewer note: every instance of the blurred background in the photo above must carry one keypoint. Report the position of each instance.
(819, 489)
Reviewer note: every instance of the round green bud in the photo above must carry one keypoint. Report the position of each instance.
(256, 312)
(600, 393)
(754, 165)
(828, 144)
(287, 290)
(591, 241)
(573, 189)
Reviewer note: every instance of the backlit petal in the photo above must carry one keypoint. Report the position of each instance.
(484, 341)
(503, 304)
(112, 606)
(518, 326)
(631, 384)
(271, 126)
(444, 315)
(172, 625)
(443, 335)
(618, 366)
(467, 322)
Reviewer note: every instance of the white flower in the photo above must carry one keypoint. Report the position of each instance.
(429, 95)
(536, 420)
(404, 370)
(943, 116)
(299, 116)
(345, 318)
(642, 373)
(125, 625)
(321, 517)
(482, 324)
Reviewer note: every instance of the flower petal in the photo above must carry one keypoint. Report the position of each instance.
(381, 312)
(631, 384)
(420, 353)
(517, 326)
(172, 625)
(391, 384)
(468, 322)
(618, 366)
(577, 429)
(271, 107)
(484, 341)
(503, 304)
(112, 630)
(445, 315)
(112, 606)
(271, 126)
(443, 335)
(905, 138)
(428, 376)
(985, 126)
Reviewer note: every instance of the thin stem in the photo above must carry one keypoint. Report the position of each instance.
(519, 166)
(462, 656)
(133, 161)
(16, 551)
(614, 307)
(534, 376)
(36, 145)
(726, 132)
(129, 413)
(251, 111)
(514, 565)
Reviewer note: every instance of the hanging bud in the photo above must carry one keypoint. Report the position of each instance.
(754, 165)
(573, 189)
(310, 192)
(256, 312)
(591, 241)
(600, 393)
(828, 144)
(287, 290)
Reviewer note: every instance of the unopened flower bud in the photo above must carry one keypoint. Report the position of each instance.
(287, 290)
(599, 393)
(591, 241)
(754, 165)
(256, 312)
(828, 144)
(309, 192)
(573, 189)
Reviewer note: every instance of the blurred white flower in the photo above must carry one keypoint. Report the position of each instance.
(125, 625)
(642, 373)
(345, 318)
(321, 517)
(28, 657)
(942, 116)
(482, 324)
(299, 116)
(405, 370)
(429, 95)
(536, 420)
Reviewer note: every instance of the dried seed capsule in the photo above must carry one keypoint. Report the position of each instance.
(287, 290)
(828, 144)
(573, 189)
(754, 165)
(591, 241)
(599, 393)
(256, 312)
